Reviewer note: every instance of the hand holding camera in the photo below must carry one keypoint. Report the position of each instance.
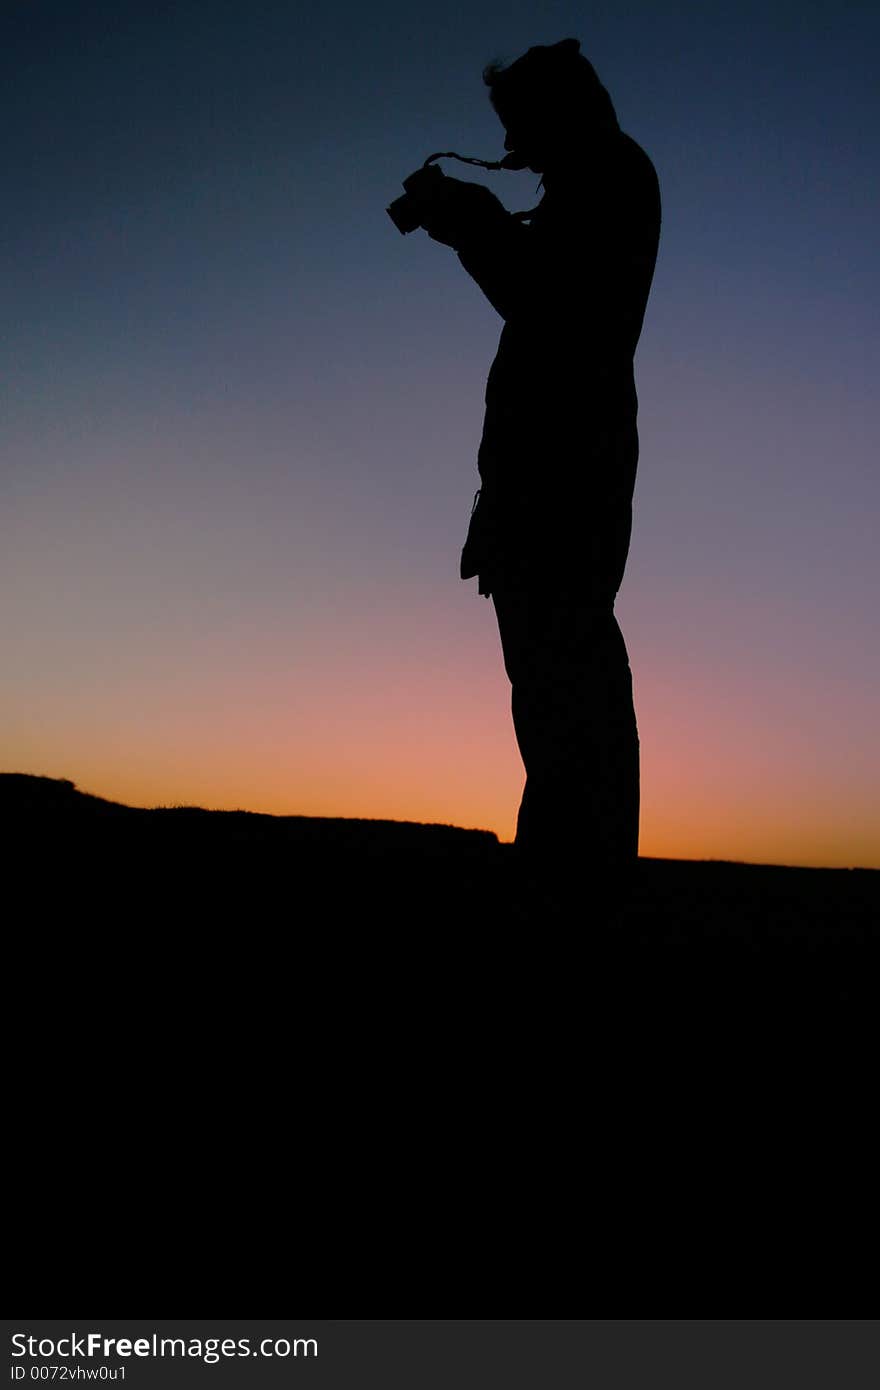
(461, 211)
(449, 209)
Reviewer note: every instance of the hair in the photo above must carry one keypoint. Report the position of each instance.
(555, 77)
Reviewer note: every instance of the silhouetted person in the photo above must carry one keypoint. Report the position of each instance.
(550, 531)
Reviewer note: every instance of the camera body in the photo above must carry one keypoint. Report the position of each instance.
(422, 188)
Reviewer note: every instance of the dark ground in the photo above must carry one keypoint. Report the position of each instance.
(439, 900)
(233, 1031)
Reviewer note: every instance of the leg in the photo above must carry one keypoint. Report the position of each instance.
(576, 729)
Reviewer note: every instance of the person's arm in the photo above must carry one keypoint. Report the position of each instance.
(492, 245)
(497, 256)
(587, 260)
(580, 274)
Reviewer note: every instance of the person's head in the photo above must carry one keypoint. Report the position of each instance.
(549, 101)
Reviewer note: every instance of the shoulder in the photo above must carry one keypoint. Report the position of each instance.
(615, 163)
(638, 168)
(637, 158)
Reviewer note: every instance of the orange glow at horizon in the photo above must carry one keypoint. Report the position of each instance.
(421, 748)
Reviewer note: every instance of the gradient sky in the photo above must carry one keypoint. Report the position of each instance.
(241, 413)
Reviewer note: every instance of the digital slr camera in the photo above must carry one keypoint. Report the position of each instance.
(425, 186)
(422, 187)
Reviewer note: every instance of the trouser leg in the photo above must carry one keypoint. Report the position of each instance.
(575, 725)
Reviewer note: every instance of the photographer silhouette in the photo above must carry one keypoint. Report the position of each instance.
(550, 532)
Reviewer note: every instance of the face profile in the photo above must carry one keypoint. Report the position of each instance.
(551, 104)
(536, 136)
(523, 149)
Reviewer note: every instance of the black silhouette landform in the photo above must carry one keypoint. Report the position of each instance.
(436, 902)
